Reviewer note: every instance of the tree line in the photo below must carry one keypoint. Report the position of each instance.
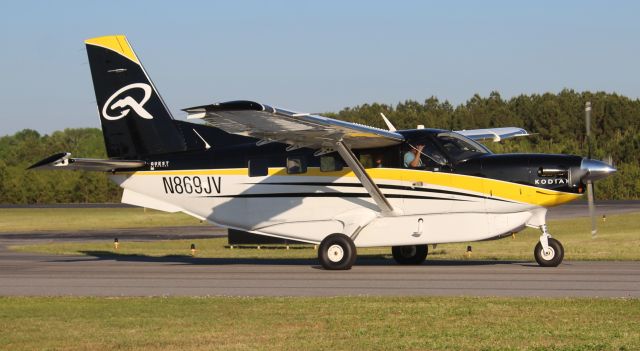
(557, 121)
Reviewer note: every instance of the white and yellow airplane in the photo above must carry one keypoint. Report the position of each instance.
(274, 172)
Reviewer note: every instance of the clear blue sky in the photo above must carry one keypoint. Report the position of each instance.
(313, 56)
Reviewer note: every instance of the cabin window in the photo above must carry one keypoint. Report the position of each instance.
(296, 165)
(379, 158)
(366, 160)
(258, 167)
(330, 164)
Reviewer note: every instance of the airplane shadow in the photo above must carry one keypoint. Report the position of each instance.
(363, 260)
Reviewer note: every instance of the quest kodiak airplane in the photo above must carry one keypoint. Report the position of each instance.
(274, 172)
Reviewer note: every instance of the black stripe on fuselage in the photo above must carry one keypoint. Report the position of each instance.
(362, 195)
(383, 186)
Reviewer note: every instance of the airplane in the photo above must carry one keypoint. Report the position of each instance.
(270, 171)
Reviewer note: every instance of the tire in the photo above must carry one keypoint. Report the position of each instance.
(554, 258)
(337, 252)
(410, 255)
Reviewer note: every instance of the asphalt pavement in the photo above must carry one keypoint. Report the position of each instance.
(108, 275)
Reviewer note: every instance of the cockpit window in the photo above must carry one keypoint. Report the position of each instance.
(427, 152)
(460, 148)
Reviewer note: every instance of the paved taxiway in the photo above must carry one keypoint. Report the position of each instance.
(45, 275)
(108, 275)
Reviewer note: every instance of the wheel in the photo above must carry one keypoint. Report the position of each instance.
(552, 258)
(410, 254)
(337, 252)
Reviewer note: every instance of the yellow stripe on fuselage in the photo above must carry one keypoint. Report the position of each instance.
(117, 43)
(488, 187)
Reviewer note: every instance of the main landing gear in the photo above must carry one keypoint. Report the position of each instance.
(410, 254)
(548, 252)
(337, 252)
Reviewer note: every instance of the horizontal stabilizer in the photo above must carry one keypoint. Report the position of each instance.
(63, 160)
(495, 134)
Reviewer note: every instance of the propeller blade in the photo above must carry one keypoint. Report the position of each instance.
(592, 209)
(587, 123)
(590, 199)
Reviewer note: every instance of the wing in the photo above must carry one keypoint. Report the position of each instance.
(64, 161)
(270, 124)
(496, 134)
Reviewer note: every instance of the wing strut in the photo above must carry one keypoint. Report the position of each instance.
(367, 182)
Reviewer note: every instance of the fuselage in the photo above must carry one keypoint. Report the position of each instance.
(298, 195)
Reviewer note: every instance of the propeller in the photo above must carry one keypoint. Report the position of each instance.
(590, 195)
(593, 170)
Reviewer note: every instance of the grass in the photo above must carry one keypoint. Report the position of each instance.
(341, 323)
(20, 220)
(618, 239)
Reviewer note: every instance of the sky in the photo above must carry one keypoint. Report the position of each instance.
(313, 56)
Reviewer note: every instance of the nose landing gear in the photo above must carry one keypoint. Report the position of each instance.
(549, 251)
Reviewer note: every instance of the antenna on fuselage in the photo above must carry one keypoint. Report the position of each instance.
(389, 125)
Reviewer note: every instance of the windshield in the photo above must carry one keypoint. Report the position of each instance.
(460, 148)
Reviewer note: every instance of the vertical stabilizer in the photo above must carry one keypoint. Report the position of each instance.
(135, 120)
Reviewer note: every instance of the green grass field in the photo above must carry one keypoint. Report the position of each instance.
(20, 220)
(341, 323)
(618, 239)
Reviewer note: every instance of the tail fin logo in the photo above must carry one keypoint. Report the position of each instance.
(125, 104)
